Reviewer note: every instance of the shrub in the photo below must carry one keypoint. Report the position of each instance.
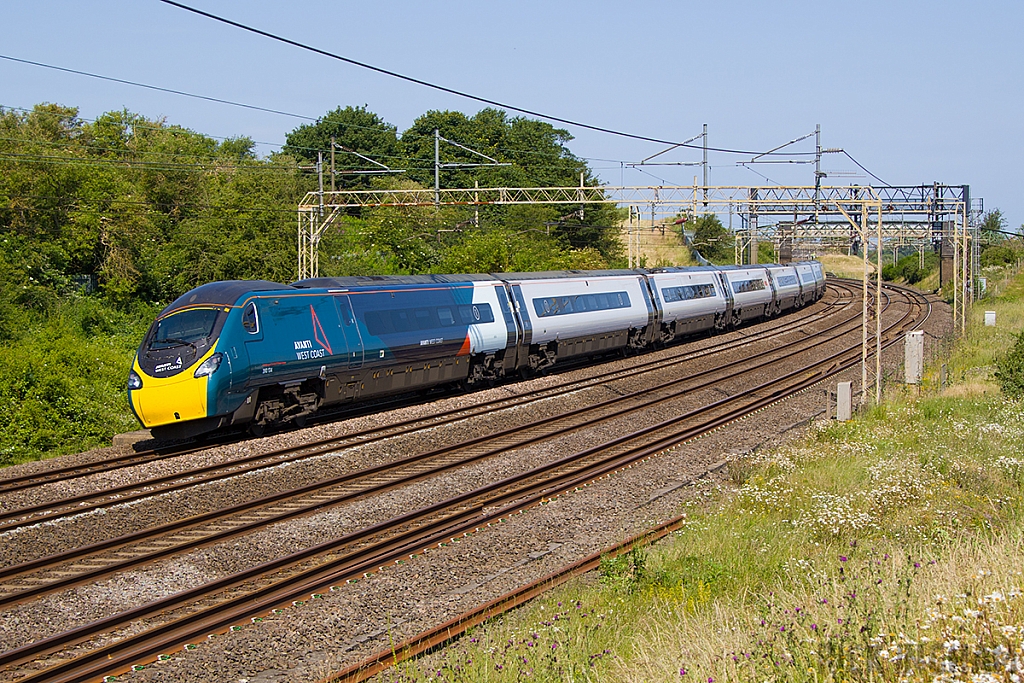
(997, 255)
(1010, 370)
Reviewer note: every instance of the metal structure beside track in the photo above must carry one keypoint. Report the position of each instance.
(919, 216)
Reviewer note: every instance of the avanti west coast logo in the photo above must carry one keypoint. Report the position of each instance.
(168, 367)
(304, 347)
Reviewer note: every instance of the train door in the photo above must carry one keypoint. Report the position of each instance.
(353, 338)
(513, 331)
(260, 362)
(522, 315)
(723, 282)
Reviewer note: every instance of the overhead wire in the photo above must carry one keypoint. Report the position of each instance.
(865, 170)
(391, 157)
(442, 88)
(394, 74)
(158, 88)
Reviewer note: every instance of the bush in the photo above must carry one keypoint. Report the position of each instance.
(62, 378)
(1010, 370)
(907, 269)
(997, 255)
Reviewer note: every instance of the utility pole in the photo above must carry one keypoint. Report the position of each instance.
(817, 168)
(333, 187)
(705, 165)
(320, 176)
(437, 167)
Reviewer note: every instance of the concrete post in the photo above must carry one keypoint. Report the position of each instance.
(844, 401)
(913, 357)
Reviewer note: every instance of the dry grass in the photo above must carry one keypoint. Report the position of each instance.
(845, 266)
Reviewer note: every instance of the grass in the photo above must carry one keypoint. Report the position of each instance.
(886, 548)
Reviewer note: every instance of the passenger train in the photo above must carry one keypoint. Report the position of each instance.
(249, 354)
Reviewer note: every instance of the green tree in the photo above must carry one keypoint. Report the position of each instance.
(993, 224)
(535, 155)
(1010, 369)
(712, 240)
(356, 129)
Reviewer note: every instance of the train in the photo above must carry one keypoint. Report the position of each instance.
(247, 354)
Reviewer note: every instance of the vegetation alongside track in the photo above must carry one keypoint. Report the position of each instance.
(887, 548)
(103, 222)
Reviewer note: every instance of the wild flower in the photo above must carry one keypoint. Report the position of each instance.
(832, 515)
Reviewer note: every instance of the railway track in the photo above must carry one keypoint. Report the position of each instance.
(289, 578)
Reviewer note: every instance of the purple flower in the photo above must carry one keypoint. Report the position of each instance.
(839, 621)
(917, 565)
(711, 680)
(782, 629)
(554, 646)
(682, 671)
(814, 627)
(842, 558)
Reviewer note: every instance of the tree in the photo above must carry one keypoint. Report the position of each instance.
(993, 224)
(535, 155)
(356, 129)
(712, 240)
(1010, 369)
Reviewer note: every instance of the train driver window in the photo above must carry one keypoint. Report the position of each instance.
(250, 319)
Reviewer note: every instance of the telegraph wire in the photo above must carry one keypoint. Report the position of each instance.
(442, 88)
(158, 88)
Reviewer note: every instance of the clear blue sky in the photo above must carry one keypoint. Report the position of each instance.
(915, 91)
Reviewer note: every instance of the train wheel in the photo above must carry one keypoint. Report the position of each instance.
(257, 429)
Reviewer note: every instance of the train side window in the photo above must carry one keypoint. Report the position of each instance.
(250, 319)
(423, 321)
(445, 317)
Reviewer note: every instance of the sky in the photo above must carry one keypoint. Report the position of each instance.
(917, 92)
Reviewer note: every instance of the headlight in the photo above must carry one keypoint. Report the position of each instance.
(134, 381)
(209, 365)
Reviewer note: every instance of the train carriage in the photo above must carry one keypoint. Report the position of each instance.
(751, 292)
(786, 284)
(692, 300)
(567, 314)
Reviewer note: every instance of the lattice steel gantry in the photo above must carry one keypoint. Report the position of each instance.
(921, 215)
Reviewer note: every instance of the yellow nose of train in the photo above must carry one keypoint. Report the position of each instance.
(166, 400)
